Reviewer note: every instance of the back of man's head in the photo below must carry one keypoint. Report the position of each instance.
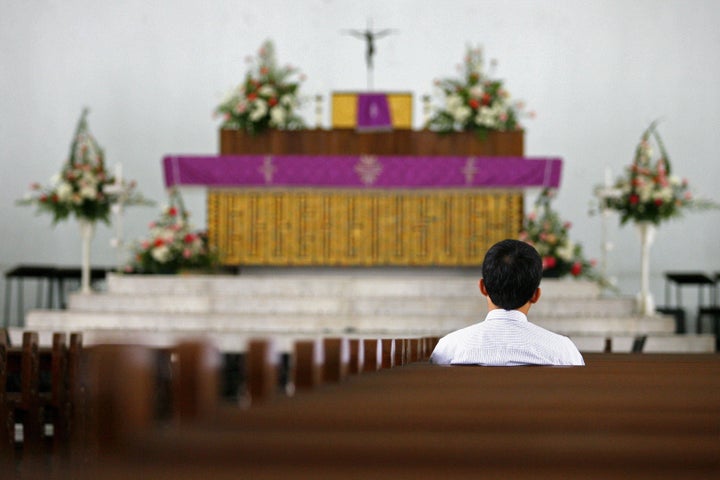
(512, 271)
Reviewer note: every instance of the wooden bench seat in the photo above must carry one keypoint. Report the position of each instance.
(37, 383)
(621, 416)
(396, 416)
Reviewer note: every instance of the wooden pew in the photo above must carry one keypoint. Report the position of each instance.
(35, 393)
(308, 364)
(357, 356)
(618, 417)
(621, 415)
(336, 367)
(196, 376)
(7, 418)
(25, 404)
(261, 371)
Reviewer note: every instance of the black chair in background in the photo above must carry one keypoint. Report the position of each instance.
(49, 278)
(43, 274)
(713, 311)
(685, 279)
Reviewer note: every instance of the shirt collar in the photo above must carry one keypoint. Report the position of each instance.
(499, 313)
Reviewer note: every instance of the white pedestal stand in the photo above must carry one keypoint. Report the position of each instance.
(645, 302)
(87, 231)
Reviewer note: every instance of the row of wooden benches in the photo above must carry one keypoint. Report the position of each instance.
(36, 394)
(621, 416)
(46, 401)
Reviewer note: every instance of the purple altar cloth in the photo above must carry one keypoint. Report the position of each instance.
(366, 171)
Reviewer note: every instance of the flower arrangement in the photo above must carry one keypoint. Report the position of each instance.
(83, 188)
(172, 244)
(268, 98)
(475, 102)
(549, 234)
(650, 192)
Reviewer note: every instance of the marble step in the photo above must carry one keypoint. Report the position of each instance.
(328, 285)
(633, 325)
(257, 304)
(317, 323)
(655, 343)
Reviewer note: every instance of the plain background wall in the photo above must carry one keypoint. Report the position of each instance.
(597, 72)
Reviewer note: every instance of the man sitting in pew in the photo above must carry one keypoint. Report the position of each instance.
(511, 274)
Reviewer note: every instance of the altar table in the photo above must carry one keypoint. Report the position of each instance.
(353, 210)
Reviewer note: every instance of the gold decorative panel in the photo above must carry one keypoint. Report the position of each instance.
(345, 106)
(360, 227)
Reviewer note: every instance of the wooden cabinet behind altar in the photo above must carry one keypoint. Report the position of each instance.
(351, 142)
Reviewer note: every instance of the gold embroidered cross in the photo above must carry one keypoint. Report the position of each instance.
(469, 170)
(368, 168)
(268, 169)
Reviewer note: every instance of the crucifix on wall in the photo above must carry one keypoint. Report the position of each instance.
(370, 37)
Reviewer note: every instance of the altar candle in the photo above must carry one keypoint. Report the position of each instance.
(118, 173)
(318, 111)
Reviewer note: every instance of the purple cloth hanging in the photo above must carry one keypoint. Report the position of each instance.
(373, 112)
(361, 171)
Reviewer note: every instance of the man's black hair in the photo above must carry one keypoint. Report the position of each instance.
(512, 271)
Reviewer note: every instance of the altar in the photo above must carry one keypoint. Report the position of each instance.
(343, 198)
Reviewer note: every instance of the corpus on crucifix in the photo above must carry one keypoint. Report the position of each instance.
(370, 37)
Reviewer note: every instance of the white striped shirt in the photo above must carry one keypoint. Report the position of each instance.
(505, 338)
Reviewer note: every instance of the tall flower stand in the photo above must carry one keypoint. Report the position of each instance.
(87, 231)
(646, 232)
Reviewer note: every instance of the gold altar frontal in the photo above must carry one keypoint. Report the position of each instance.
(341, 227)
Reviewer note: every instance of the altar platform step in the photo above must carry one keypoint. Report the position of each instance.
(460, 284)
(335, 304)
(248, 302)
(298, 323)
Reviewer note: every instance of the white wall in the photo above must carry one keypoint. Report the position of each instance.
(596, 72)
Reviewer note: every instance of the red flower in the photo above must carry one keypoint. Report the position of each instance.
(486, 99)
(658, 202)
(264, 70)
(189, 238)
(252, 96)
(43, 198)
(272, 101)
(172, 211)
(549, 262)
(576, 269)
(159, 242)
(474, 104)
(634, 199)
